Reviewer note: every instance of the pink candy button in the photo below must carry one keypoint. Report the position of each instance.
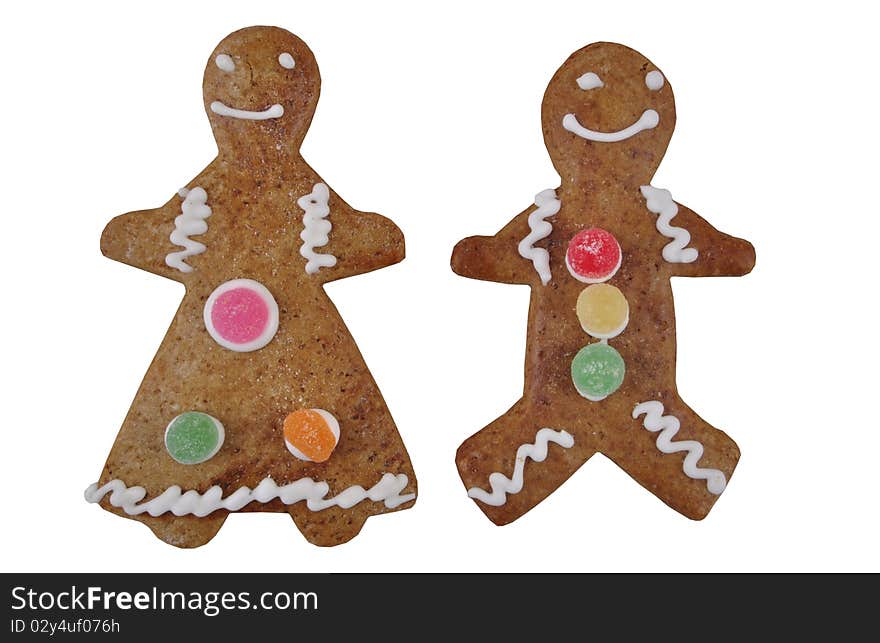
(241, 315)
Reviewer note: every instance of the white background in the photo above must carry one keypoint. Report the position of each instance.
(431, 115)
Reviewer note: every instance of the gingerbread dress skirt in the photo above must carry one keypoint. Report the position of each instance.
(293, 423)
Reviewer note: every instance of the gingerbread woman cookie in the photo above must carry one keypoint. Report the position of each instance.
(598, 253)
(258, 398)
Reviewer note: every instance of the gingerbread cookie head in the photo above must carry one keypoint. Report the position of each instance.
(261, 85)
(608, 110)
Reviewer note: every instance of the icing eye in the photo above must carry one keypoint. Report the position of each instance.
(590, 81)
(286, 60)
(654, 80)
(224, 62)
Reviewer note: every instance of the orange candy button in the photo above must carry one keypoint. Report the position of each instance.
(311, 434)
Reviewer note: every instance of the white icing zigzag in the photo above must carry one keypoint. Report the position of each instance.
(501, 485)
(191, 222)
(316, 230)
(659, 201)
(182, 503)
(548, 205)
(668, 425)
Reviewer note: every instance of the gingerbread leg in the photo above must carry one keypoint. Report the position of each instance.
(368, 473)
(185, 532)
(329, 527)
(675, 454)
(504, 466)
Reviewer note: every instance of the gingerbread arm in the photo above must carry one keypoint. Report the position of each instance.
(499, 257)
(695, 248)
(142, 239)
(717, 254)
(357, 242)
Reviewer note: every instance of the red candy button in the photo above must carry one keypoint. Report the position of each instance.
(593, 256)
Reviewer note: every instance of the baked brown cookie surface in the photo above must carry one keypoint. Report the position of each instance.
(258, 398)
(598, 253)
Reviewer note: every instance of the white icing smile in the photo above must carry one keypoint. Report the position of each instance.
(273, 111)
(648, 120)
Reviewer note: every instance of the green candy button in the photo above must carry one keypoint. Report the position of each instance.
(193, 437)
(597, 371)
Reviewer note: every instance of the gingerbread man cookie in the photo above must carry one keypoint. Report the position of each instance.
(598, 253)
(258, 398)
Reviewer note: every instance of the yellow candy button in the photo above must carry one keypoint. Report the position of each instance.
(602, 310)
